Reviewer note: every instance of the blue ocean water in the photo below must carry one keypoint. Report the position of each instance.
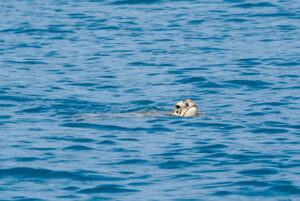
(71, 71)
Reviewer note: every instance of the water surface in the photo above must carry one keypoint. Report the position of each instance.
(62, 63)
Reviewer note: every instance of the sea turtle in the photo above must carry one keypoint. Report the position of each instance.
(185, 108)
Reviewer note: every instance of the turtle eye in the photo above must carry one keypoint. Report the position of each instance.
(177, 106)
(187, 105)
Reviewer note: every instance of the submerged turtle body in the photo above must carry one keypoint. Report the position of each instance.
(184, 108)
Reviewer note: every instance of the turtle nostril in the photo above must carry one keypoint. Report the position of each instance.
(177, 106)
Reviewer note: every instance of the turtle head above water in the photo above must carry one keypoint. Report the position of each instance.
(186, 108)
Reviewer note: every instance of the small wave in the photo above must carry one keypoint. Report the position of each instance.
(38, 31)
(27, 159)
(15, 98)
(270, 130)
(102, 127)
(259, 172)
(34, 110)
(78, 148)
(252, 183)
(250, 83)
(25, 172)
(124, 2)
(271, 103)
(107, 142)
(132, 162)
(284, 189)
(191, 80)
(253, 5)
(108, 188)
(175, 164)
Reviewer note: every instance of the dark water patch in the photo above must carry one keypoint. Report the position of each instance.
(78, 148)
(213, 125)
(142, 102)
(43, 148)
(108, 188)
(210, 85)
(126, 172)
(252, 183)
(291, 164)
(108, 76)
(86, 84)
(257, 84)
(28, 62)
(170, 153)
(211, 171)
(73, 105)
(35, 129)
(179, 176)
(175, 72)
(107, 87)
(71, 188)
(287, 27)
(25, 172)
(255, 114)
(159, 129)
(38, 109)
(102, 127)
(132, 162)
(78, 16)
(27, 159)
(129, 139)
(67, 197)
(259, 172)
(36, 31)
(217, 155)
(175, 164)
(139, 63)
(107, 142)
(237, 20)
(284, 190)
(222, 193)
(269, 130)
(7, 105)
(271, 103)
(214, 146)
(254, 5)
(289, 76)
(23, 198)
(275, 14)
(211, 49)
(124, 150)
(83, 140)
(15, 98)
(287, 64)
(248, 62)
(196, 22)
(140, 184)
(249, 157)
(191, 80)
(5, 116)
(102, 27)
(281, 124)
(210, 149)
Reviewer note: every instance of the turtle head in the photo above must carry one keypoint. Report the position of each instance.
(186, 108)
